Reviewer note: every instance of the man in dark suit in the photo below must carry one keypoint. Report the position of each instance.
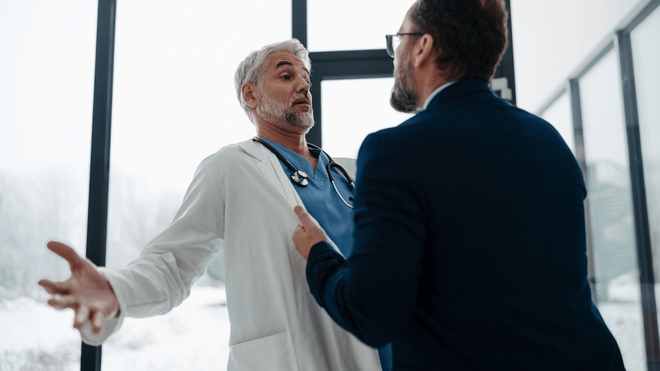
(469, 246)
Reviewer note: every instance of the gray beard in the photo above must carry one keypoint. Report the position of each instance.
(404, 93)
(283, 115)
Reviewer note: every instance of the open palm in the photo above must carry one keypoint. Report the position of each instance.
(86, 291)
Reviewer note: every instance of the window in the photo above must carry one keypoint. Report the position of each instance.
(174, 104)
(352, 25)
(46, 85)
(646, 58)
(610, 207)
(559, 115)
(352, 109)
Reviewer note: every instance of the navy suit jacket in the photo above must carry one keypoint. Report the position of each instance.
(469, 245)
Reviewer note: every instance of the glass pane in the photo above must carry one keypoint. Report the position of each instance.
(46, 93)
(345, 124)
(352, 25)
(610, 208)
(559, 115)
(174, 104)
(646, 59)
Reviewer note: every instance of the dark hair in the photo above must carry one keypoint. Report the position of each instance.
(470, 35)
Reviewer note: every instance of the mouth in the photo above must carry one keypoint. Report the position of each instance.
(302, 101)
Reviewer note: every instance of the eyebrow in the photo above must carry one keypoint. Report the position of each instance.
(287, 63)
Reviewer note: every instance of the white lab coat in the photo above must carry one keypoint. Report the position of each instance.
(241, 197)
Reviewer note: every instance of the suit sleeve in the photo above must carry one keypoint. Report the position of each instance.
(373, 293)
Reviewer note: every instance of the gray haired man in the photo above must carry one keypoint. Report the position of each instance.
(240, 201)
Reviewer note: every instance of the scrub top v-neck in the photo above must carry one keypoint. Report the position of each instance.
(320, 198)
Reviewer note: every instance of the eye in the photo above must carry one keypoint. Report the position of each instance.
(286, 77)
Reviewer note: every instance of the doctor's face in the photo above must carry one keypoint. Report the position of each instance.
(285, 100)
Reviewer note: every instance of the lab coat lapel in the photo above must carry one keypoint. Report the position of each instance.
(270, 167)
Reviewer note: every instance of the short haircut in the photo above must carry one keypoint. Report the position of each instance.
(252, 68)
(470, 35)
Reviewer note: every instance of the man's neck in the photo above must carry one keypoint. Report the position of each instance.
(427, 85)
(293, 141)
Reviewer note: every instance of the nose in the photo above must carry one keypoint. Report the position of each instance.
(303, 86)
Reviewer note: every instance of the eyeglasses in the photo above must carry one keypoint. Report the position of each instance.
(393, 41)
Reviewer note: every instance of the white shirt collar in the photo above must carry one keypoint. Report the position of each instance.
(435, 92)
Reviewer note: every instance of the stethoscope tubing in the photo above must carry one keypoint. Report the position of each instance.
(299, 177)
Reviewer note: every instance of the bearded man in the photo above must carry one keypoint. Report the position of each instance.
(241, 201)
(469, 247)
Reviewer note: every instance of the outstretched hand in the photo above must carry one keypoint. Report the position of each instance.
(308, 233)
(86, 291)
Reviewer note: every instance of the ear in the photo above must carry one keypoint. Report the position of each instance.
(251, 94)
(423, 50)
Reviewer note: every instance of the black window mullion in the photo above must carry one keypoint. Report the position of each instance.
(506, 67)
(99, 174)
(642, 230)
(299, 20)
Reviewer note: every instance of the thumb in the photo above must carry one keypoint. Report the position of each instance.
(302, 215)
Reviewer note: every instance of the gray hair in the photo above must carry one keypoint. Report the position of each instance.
(252, 68)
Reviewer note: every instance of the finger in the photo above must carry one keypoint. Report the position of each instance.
(82, 315)
(62, 302)
(297, 233)
(53, 287)
(66, 252)
(97, 322)
(303, 216)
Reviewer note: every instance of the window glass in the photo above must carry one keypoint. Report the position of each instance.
(559, 115)
(610, 208)
(46, 94)
(646, 59)
(174, 104)
(346, 122)
(352, 25)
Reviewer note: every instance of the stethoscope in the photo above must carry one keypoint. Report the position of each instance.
(299, 177)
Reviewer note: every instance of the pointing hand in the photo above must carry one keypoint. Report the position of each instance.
(308, 233)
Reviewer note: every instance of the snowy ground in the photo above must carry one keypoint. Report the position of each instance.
(193, 336)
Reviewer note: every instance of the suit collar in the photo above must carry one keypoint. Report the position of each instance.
(429, 99)
(460, 88)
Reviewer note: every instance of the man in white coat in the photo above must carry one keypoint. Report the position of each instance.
(241, 198)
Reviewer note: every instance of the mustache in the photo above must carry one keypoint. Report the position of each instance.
(305, 96)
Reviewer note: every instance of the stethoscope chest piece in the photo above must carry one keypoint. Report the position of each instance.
(300, 178)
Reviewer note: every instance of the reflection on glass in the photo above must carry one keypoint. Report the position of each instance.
(46, 90)
(348, 119)
(610, 208)
(351, 25)
(646, 59)
(174, 104)
(559, 115)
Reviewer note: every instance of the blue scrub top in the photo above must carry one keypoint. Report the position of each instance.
(320, 198)
(323, 203)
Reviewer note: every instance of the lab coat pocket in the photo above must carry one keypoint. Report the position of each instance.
(272, 353)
